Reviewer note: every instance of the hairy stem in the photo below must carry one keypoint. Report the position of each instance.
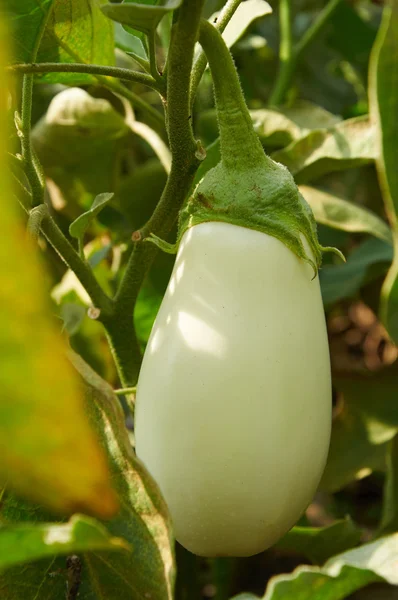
(200, 64)
(68, 254)
(234, 121)
(29, 161)
(118, 72)
(184, 164)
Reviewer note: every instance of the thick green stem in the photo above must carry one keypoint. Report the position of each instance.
(199, 67)
(28, 157)
(119, 73)
(124, 346)
(184, 164)
(289, 53)
(235, 124)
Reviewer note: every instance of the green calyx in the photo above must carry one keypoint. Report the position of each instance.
(264, 198)
(247, 188)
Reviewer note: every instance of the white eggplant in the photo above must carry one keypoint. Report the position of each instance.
(233, 410)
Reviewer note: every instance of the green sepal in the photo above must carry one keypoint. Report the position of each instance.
(264, 198)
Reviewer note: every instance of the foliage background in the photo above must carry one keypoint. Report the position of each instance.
(322, 131)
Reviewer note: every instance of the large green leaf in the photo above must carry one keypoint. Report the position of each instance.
(320, 543)
(348, 144)
(75, 127)
(143, 520)
(48, 449)
(143, 16)
(28, 20)
(339, 577)
(344, 280)
(61, 31)
(383, 94)
(147, 571)
(25, 542)
(334, 211)
(79, 143)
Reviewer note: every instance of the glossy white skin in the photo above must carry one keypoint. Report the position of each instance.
(233, 410)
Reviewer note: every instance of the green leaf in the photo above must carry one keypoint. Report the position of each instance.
(72, 315)
(25, 542)
(61, 31)
(349, 144)
(363, 428)
(320, 543)
(144, 17)
(79, 143)
(339, 213)
(27, 20)
(280, 127)
(245, 14)
(339, 577)
(143, 522)
(75, 127)
(345, 279)
(383, 95)
(49, 452)
(129, 43)
(78, 228)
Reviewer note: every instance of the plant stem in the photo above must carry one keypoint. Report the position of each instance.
(69, 255)
(234, 120)
(154, 117)
(187, 583)
(200, 64)
(118, 72)
(36, 216)
(152, 58)
(287, 59)
(289, 53)
(124, 391)
(316, 26)
(222, 575)
(28, 157)
(184, 164)
(124, 346)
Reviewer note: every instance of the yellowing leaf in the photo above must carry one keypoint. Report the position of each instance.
(47, 447)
